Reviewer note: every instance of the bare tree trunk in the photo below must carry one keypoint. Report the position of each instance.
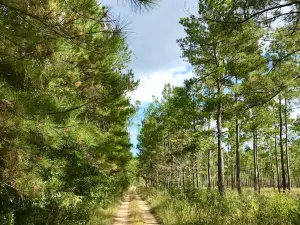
(197, 172)
(237, 147)
(237, 156)
(281, 146)
(213, 171)
(183, 178)
(277, 166)
(257, 164)
(255, 172)
(208, 170)
(193, 171)
(273, 181)
(232, 174)
(220, 151)
(286, 146)
(228, 169)
(208, 157)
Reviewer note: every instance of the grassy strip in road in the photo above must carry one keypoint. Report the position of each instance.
(134, 210)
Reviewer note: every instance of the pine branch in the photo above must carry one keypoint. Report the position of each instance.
(267, 100)
(256, 14)
(283, 58)
(75, 107)
(139, 5)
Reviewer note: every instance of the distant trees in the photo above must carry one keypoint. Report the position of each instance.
(242, 71)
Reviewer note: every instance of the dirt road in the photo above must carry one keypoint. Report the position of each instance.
(123, 216)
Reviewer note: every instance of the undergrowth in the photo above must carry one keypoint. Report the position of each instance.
(104, 216)
(201, 207)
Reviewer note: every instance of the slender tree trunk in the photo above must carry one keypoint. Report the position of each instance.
(237, 147)
(257, 164)
(286, 146)
(277, 166)
(194, 158)
(228, 169)
(220, 152)
(237, 156)
(232, 173)
(274, 184)
(255, 172)
(183, 178)
(208, 157)
(281, 146)
(213, 171)
(197, 172)
(193, 171)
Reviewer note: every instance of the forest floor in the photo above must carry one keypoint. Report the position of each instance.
(134, 211)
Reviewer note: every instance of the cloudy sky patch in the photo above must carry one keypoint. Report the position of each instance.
(156, 58)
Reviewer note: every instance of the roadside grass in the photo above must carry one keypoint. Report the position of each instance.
(201, 207)
(104, 216)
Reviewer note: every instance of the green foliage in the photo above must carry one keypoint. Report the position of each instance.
(64, 111)
(203, 207)
(242, 69)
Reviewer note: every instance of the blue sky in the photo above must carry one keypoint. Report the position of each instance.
(156, 56)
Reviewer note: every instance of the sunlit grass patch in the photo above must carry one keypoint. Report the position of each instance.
(105, 216)
(134, 211)
(197, 207)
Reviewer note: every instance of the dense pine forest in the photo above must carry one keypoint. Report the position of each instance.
(64, 112)
(222, 148)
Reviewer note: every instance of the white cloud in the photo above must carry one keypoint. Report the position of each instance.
(152, 84)
(295, 113)
(151, 35)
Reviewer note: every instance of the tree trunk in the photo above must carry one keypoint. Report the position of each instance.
(183, 178)
(213, 171)
(193, 171)
(197, 172)
(220, 152)
(286, 146)
(277, 166)
(281, 146)
(257, 164)
(237, 147)
(232, 174)
(273, 181)
(208, 170)
(228, 169)
(255, 172)
(208, 157)
(237, 156)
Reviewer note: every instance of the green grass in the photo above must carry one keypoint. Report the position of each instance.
(135, 214)
(104, 216)
(200, 207)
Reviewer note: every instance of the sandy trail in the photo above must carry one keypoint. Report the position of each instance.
(123, 215)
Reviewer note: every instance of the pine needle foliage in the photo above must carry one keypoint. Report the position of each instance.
(64, 145)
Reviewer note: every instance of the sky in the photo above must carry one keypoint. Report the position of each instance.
(156, 60)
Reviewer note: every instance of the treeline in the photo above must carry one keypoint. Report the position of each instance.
(64, 144)
(230, 125)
